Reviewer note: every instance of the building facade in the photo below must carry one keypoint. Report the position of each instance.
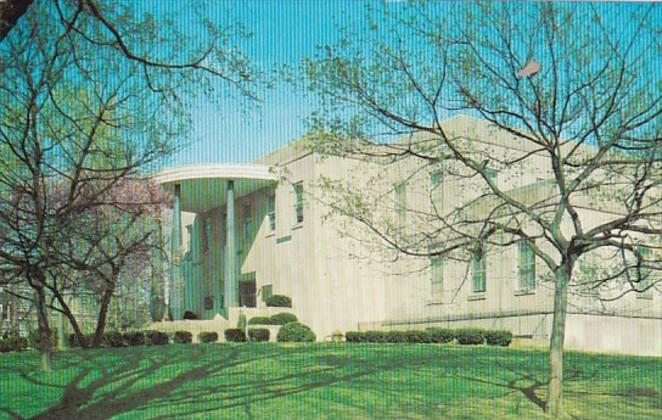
(243, 232)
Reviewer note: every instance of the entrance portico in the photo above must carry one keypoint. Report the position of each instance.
(200, 189)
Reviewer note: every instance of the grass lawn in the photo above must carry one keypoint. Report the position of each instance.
(322, 381)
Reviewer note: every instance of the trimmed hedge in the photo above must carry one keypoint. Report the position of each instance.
(440, 335)
(134, 338)
(279, 301)
(470, 336)
(295, 332)
(156, 338)
(113, 339)
(208, 337)
(13, 343)
(260, 320)
(183, 337)
(258, 334)
(356, 337)
(465, 336)
(498, 338)
(235, 335)
(190, 315)
(283, 318)
(73, 340)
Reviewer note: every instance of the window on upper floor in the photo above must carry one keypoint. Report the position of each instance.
(298, 202)
(527, 267)
(437, 190)
(478, 272)
(206, 232)
(400, 198)
(248, 223)
(271, 210)
(436, 277)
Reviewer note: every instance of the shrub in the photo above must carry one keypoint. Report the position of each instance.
(283, 318)
(417, 336)
(208, 337)
(13, 343)
(235, 335)
(498, 337)
(260, 320)
(337, 337)
(73, 340)
(470, 336)
(395, 337)
(190, 315)
(356, 337)
(295, 332)
(134, 338)
(258, 334)
(279, 301)
(113, 339)
(34, 338)
(441, 335)
(156, 338)
(183, 337)
(375, 336)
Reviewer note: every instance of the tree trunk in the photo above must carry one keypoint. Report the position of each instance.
(102, 316)
(555, 391)
(45, 344)
(72, 321)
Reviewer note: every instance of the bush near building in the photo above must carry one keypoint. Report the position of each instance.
(13, 343)
(465, 336)
(470, 336)
(283, 318)
(258, 334)
(208, 337)
(183, 337)
(260, 320)
(235, 335)
(190, 315)
(134, 338)
(295, 332)
(156, 338)
(113, 339)
(279, 301)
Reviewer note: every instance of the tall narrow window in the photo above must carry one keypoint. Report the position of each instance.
(437, 191)
(248, 223)
(206, 227)
(271, 210)
(436, 278)
(400, 193)
(478, 271)
(298, 202)
(527, 267)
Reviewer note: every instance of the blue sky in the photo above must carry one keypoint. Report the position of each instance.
(284, 32)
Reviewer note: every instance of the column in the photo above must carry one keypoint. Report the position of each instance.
(175, 292)
(230, 280)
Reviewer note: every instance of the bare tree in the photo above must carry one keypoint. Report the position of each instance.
(574, 100)
(81, 114)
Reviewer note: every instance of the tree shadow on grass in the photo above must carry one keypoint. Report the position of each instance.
(206, 380)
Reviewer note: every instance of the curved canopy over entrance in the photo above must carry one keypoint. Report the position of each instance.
(203, 187)
(198, 189)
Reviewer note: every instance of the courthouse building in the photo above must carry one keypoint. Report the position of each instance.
(242, 232)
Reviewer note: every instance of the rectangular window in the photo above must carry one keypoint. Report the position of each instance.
(271, 211)
(224, 232)
(298, 202)
(478, 271)
(437, 191)
(206, 227)
(400, 193)
(527, 267)
(248, 223)
(436, 277)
